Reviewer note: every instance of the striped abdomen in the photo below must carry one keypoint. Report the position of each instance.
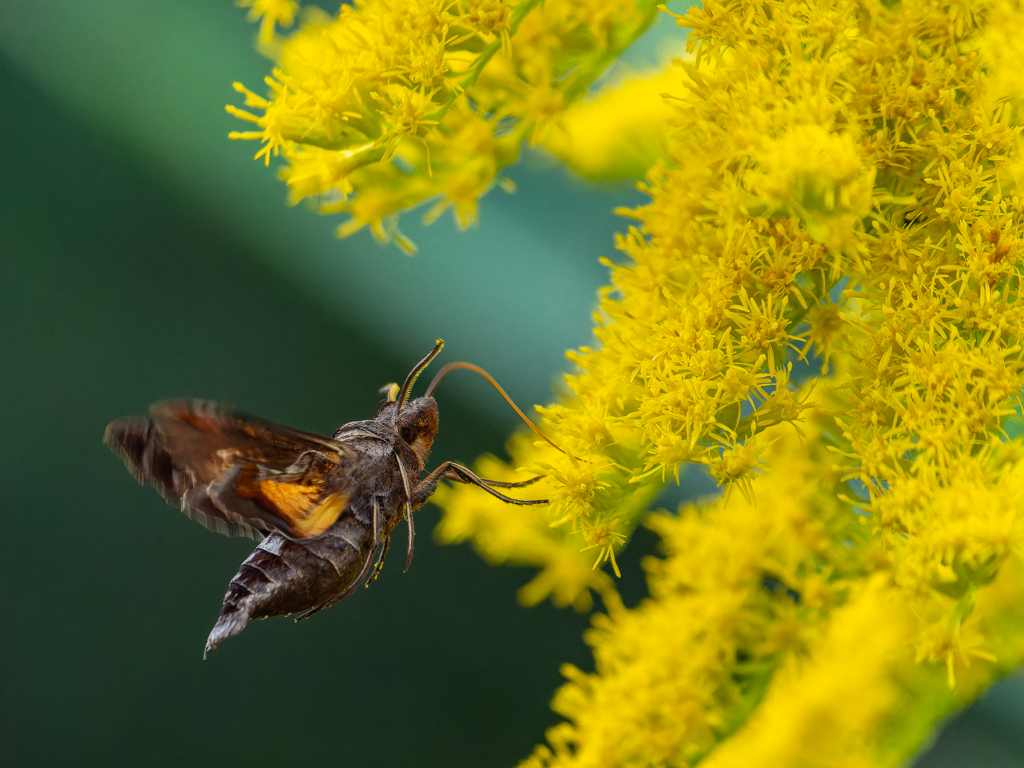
(283, 577)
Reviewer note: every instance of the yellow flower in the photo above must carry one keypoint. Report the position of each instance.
(620, 132)
(270, 12)
(835, 182)
(394, 102)
(822, 192)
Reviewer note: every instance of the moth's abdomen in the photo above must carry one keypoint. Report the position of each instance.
(283, 577)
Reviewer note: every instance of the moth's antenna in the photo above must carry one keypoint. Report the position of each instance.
(477, 369)
(403, 393)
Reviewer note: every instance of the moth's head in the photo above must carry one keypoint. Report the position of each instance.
(415, 421)
(417, 425)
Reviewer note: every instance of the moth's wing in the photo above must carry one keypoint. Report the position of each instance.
(236, 474)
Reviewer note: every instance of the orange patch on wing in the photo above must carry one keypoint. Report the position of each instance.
(301, 506)
(323, 515)
(291, 500)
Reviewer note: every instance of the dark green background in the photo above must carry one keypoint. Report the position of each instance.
(144, 256)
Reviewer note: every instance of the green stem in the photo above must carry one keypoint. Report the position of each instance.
(581, 80)
(584, 77)
(471, 75)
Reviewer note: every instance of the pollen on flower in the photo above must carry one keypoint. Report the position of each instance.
(488, 16)
(737, 465)
(388, 78)
(605, 539)
(837, 179)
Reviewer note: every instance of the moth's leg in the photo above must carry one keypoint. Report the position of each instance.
(412, 535)
(451, 474)
(501, 484)
(428, 485)
(374, 541)
(315, 611)
(408, 510)
(380, 561)
(460, 474)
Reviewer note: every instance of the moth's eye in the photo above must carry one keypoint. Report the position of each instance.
(407, 434)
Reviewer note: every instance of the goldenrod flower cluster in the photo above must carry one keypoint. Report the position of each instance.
(837, 182)
(841, 185)
(396, 102)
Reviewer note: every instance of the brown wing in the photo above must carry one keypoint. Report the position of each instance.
(235, 474)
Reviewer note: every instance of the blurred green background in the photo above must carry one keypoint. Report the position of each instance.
(143, 256)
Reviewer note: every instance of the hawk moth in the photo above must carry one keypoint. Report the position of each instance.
(321, 507)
